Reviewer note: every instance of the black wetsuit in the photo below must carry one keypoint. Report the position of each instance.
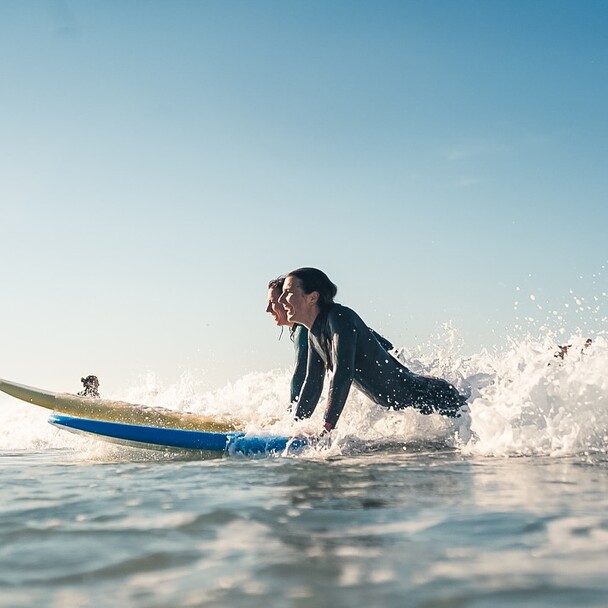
(299, 337)
(340, 341)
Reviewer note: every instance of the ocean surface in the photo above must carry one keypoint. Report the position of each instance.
(507, 506)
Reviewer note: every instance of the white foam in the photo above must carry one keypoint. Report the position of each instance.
(523, 401)
(535, 403)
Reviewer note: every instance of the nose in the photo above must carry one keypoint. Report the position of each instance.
(269, 307)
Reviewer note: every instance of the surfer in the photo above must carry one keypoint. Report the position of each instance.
(339, 341)
(562, 351)
(299, 336)
(91, 387)
(297, 333)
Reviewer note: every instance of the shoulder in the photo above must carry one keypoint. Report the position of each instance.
(299, 330)
(300, 334)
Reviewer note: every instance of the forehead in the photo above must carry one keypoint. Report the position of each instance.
(291, 283)
(274, 293)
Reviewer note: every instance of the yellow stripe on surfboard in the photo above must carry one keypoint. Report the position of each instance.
(118, 411)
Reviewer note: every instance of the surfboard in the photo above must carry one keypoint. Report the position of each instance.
(118, 411)
(208, 443)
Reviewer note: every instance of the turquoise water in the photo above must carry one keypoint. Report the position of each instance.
(430, 528)
(505, 507)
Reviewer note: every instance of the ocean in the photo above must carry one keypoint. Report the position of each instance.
(507, 506)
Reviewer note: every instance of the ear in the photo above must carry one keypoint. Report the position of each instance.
(313, 297)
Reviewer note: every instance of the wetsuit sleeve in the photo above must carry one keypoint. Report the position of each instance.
(313, 385)
(344, 348)
(300, 343)
(386, 344)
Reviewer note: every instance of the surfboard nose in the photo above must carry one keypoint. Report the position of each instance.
(28, 393)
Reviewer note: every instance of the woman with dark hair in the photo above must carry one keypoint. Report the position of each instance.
(298, 334)
(339, 340)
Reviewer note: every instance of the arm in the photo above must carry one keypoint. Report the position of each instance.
(313, 385)
(344, 348)
(299, 373)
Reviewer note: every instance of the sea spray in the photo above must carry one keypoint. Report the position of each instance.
(535, 403)
(524, 400)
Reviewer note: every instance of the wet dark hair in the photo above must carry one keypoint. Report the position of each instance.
(277, 283)
(313, 279)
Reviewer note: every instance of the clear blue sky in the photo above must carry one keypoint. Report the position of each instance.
(161, 161)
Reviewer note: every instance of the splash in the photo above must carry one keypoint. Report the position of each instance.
(529, 400)
(524, 400)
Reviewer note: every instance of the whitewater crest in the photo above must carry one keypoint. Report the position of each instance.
(533, 399)
(524, 399)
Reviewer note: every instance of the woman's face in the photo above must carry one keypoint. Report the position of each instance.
(275, 309)
(297, 304)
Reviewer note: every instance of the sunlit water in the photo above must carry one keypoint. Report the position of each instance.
(505, 507)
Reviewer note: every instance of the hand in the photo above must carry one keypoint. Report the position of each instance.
(327, 428)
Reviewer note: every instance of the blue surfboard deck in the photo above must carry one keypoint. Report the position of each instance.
(159, 438)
